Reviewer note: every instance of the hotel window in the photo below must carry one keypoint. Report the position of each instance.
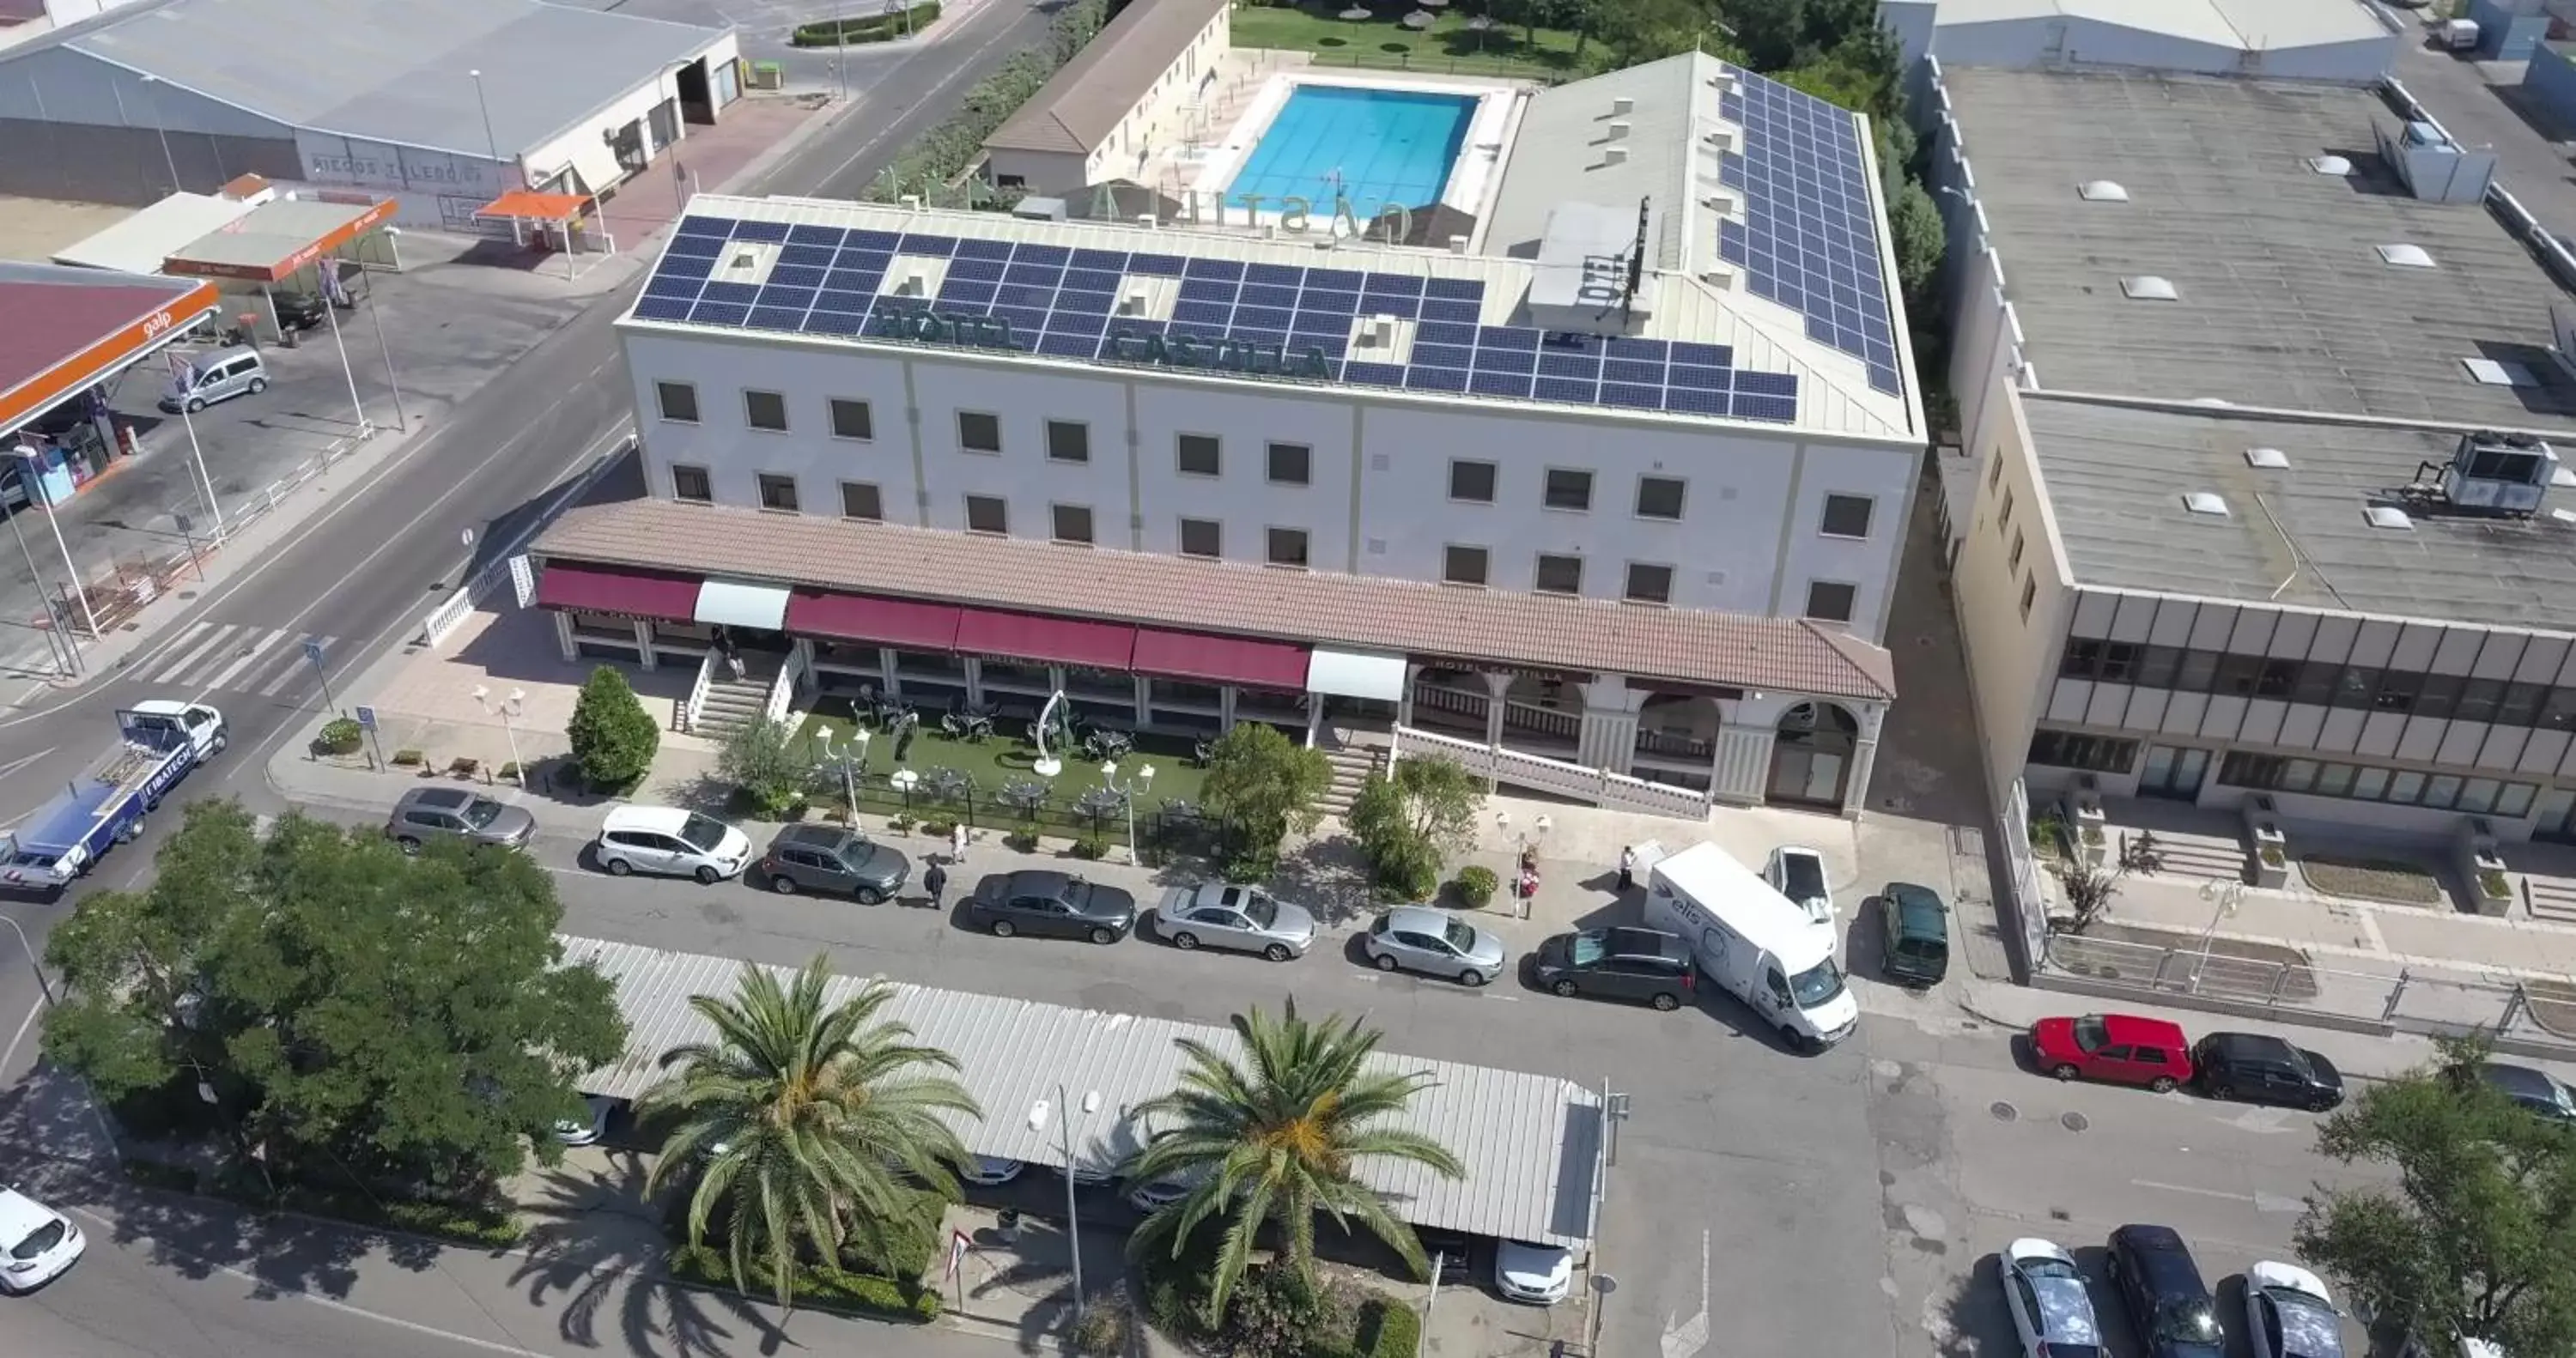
(1463, 565)
(1068, 441)
(1073, 524)
(852, 419)
(1200, 454)
(765, 410)
(1202, 537)
(2012, 563)
(1291, 464)
(1472, 482)
(1568, 489)
(679, 401)
(1831, 600)
(1846, 516)
(1559, 574)
(1288, 547)
(690, 483)
(2029, 591)
(859, 500)
(2069, 750)
(1995, 470)
(1659, 497)
(1649, 584)
(2005, 520)
(978, 432)
(987, 514)
(777, 492)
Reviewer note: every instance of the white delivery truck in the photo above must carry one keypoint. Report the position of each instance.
(1760, 946)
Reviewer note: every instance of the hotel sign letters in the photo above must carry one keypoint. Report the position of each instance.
(972, 332)
(1176, 351)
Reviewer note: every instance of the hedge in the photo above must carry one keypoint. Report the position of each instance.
(463, 1223)
(870, 28)
(822, 1288)
(944, 152)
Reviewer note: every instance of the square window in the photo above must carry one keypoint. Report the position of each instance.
(1831, 600)
(1847, 516)
(690, 483)
(1463, 565)
(859, 500)
(978, 432)
(1649, 584)
(1200, 454)
(679, 401)
(987, 514)
(852, 419)
(1288, 547)
(1568, 489)
(1472, 482)
(2005, 520)
(1202, 537)
(1291, 464)
(765, 410)
(1659, 497)
(1995, 470)
(2012, 563)
(777, 492)
(1068, 441)
(2029, 591)
(1559, 574)
(1073, 523)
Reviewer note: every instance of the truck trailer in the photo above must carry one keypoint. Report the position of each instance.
(1755, 943)
(158, 743)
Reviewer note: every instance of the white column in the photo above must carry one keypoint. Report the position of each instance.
(974, 681)
(1224, 708)
(1865, 754)
(889, 685)
(644, 646)
(563, 637)
(1496, 685)
(1404, 700)
(1609, 736)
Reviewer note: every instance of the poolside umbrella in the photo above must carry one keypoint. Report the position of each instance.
(1419, 19)
(1432, 4)
(1355, 13)
(1479, 25)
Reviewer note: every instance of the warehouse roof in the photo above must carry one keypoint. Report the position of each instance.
(1077, 110)
(2248, 25)
(139, 243)
(1530, 1143)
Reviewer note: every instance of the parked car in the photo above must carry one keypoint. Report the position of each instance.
(588, 1128)
(2051, 1309)
(1540, 1275)
(212, 376)
(1799, 874)
(2287, 1314)
(1236, 919)
(299, 310)
(1448, 1252)
(40, 1241)
(1418, 938)
(991, 1171)
(670, 842)
(2114, 1048)
(1153, 1197)
(829, 858)
(2536, 1090)
(1051, 905)
(427, 813)
(1619, 964)
(1913, 935)
(2169, 1305)
(2264, 1069)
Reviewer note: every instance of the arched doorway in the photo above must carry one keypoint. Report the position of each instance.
(1677, 739)
(1811, 755)
(1543, 714)
(1450, 701)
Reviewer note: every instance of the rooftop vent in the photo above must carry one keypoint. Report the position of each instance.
(2492, 474)
(2405, 256)
(2270, 459)
(1619, 129)
(1622, 104)
(2494, 374)
(2102, 191)
(2386, 516)
(2336, 165)
(2147, 287)
(2205, 502)
(1614, 155)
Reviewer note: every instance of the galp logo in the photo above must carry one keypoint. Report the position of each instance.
(157, 322)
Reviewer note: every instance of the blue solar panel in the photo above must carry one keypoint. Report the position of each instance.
(1024, 295)
(663, 309)
(1440, 356)
(1419, 378)
(829, 237)
(666, 286)
(1024, 320)
(1069, 346)
(872, 240)
(1086, 303)
(1487, 383)
(1464, 313)
(760, 231)
(1767, 384)
(1261, 318)
(1647, 350)
(967, 269)
(1254, 295)
(1064, 322)
(718, 313)
(834, 323)
(853, 280)
(1110, 261)
(1506, 361)
(968, 295)
(1633, 372)
(775, 296)
(930, 246)
(1049, 256)
(694, 247)
(1698, 379)
(718, 227)
(1274, 275)
(828, 300)
(1228, 270)
(984, 249)
(1460, 289)
(1310, 324)
(793, 276)
(1091, 280)
(1329, 302)
(1706, 355)
(743, 293)
(776, 318)
(1395, 284)
(1208, 290)
(1047, 275)
(1203, 313)
(1776, 409)
(1642, 398)
(1682, 401)
(1373, 374)
(1155, 266)
(818, 256)
(1555, 363)
(1568, 389)
(1401, 308)
(1335, 280)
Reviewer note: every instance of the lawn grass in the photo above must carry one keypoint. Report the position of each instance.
(2388, 880)
(1384, 43)
(1007, 757)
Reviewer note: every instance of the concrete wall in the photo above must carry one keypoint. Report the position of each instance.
(126, 165)
(2047, 41)
(2550, 81)
(1052, 173)
(59, 85)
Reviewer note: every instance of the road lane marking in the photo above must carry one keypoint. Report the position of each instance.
(199, 639)
(250, 655)
(2262, 1202)
(23, 1025)
(894, 124)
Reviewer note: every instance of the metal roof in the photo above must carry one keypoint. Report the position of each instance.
(2246, 25)
(276, 238)
(1561, 151)
(1529, 1142)
(140, 242)
(1078, 109)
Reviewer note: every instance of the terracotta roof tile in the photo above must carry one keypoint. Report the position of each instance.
(1366, 612)
(1078, 109)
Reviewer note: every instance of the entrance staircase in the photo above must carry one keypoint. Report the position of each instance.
(2550, 898)
(732, 704)
(2198, 856)
(1353, 767)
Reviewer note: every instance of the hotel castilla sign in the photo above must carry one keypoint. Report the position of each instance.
(1160, 351)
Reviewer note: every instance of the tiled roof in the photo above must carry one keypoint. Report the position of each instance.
(1537, 631)
(1078, 109)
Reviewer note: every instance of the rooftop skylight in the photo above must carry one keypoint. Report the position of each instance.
(2405, 256)
(2205, 502)
(2272, 459)
(2147, 287)
(2330, 165)
(2387, 516)
(2102, 191)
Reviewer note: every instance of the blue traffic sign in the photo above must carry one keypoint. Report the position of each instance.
(313, 649)
(367, 718)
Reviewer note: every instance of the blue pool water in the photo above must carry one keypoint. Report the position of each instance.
(1380, 146)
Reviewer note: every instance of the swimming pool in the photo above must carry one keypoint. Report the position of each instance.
(1379, 146)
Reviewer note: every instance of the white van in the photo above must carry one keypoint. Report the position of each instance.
(1757, 944)
(217, 375)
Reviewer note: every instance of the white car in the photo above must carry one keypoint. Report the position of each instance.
(2289, 1315)
(588, 1129)
(1538, 1274)
(670, 842)
(40, 1241)
(990, 1171)
(2052, 1311)
(1157, 1195)
(1799, 874)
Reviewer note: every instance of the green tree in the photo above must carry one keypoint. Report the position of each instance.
(767, 761)
(1408, 822)
(613, 737)
(1264, 786)
(2478, 1234)
(800, 1123)
(1920, 240)
(1276, 1139)
(357, 1012)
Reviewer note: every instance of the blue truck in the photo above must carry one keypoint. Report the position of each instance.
(158, 742)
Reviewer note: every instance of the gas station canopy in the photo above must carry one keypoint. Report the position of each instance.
(70, 329)
(528, 205)
(274, 240)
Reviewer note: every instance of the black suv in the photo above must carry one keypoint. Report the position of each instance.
(2169, 1305)
(2264, 1069)
(2536, 1091)
(1625, 964)
(826, 858)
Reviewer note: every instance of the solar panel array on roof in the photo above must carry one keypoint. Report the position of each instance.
(1809, 238)
(1061, 302)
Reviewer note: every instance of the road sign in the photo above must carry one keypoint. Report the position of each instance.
(313, 649)
(958, 1244)
(523, 581)
(367, 718)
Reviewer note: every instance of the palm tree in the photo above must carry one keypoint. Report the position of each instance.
(1276, 1139)
(801, 1121)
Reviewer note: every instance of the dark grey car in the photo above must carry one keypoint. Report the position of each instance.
(429, 813)
(1051, 905)
(829, 859)
(2535, 1090)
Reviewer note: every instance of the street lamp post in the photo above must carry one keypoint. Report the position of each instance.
(375, 309)
(27, 479)
(1038, 1113)
(71, 667)
(42, 985)
(490, 142)
(2227, 897)
(1127, 794)
(508, 709)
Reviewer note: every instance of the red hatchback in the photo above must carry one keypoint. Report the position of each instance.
(2118, 1048)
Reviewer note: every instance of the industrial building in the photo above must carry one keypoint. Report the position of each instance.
(2341, 41)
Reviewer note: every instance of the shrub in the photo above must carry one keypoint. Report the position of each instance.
(463, 1222)
(823, 1288)
(409, 758)
(1021, 841)
(901, 825)
(463, 766)
(155, 1174)
(871, 28)
(1406, 868)
(1107, 1326)
(940, 155)
(613, 738)
(340, 735)
(1476, 885)
(1388, 1329)
(939, 829)
(2493, 885)
(769, 764)
(509, 771)
(1091, 846)
(1251, 864)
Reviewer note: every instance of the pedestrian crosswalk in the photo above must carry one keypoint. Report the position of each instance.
(234, 657)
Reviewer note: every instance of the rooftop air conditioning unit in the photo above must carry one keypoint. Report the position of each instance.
(1622, 105)
(1616, 155)
(1133, 304)
(1618, 130)
(2500, 473)
(912, 201)
(1381, 332)
(1457, 245)
(915, 284)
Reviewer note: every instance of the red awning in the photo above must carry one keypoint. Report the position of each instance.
(1221, 660)
(901, 623)
(603, 589)
(1058, 641)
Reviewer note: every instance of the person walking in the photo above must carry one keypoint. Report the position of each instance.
(732, 654)
(1627, 868)
(935, 881)
(957, 842)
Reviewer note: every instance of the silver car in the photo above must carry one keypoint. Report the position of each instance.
(2052, 1313)
(1237, 919)
(1418, 938)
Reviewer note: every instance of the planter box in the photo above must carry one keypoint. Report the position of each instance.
(2088, 828)
(2483, 868)
(2274, 872)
